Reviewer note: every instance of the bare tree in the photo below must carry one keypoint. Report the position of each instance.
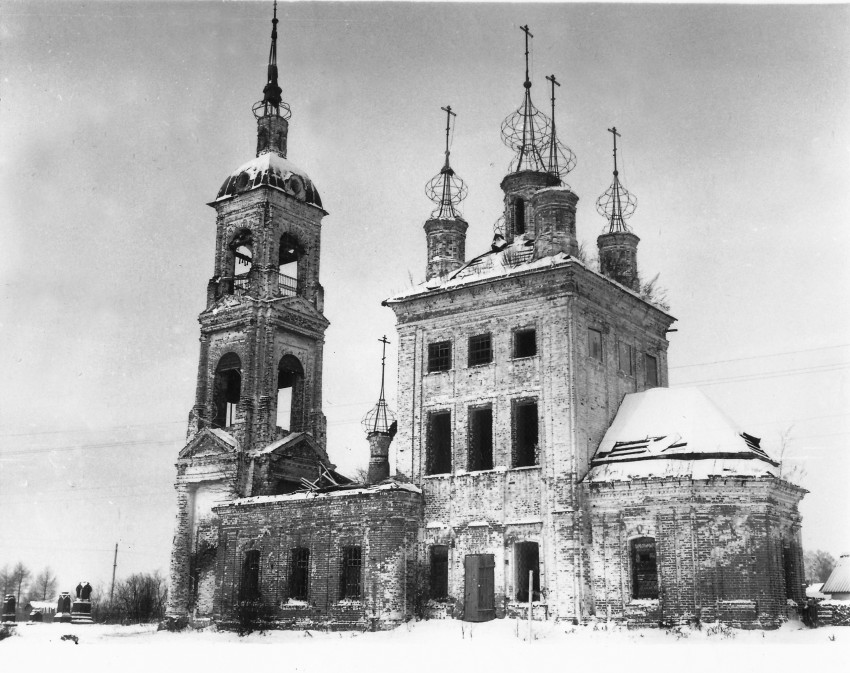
(20, 575)
(5, 580)
(819, 565)
(43, 587)
(140, 598)
(787, 472)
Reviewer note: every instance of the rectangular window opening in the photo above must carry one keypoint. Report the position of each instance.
(481, 439)
(439, 456)
(439, 572)
(644, 568)
(626, 360)
(440, 356)
(525, 343)
(651, 365)
(525, 434)
(594, 344)
(250, 587)
(299, 573)
(351, 567)
(527, 558)
(480, 350)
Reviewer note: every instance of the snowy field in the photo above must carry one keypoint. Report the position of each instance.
(422, 646)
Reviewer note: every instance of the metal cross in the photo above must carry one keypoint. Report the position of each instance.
(613, 131)
(384, 341)
(528, 34)
(449, 115)
(553, 150)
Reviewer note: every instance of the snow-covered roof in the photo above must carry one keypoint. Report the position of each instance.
(42, 605)
(273, 170)
(838, 581)
(511, 259)
(676, 432)
(390, 485)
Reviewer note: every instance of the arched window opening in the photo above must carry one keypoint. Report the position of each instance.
(644, 568)
(240, 260)
(291, 253)
(227, 388)
(290, 377)
(519, 217)
(249, 589)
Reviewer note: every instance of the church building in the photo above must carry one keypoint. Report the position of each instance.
(541, 461)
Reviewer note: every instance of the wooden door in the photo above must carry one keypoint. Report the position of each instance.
(479, 588)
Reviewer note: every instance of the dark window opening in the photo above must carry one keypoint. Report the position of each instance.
(249, 590)
(440, 356)
(519, 217)
(290, 254)
(651, 371)
(525, 427)
(525, 343)
(594, 344)
(625, 358)
(527, 559)
(227, 387)
(351, 567)
(439, 571)
(239, 262)
(644, 568)
(480, 350)
(788, 569)
(439, 443)
(481, 439)
(299, 573)
(290, 380)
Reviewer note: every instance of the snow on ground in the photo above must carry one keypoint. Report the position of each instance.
(446, 645)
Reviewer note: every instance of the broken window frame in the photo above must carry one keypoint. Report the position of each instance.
(438, 455)
(527, 557)
(439, 572)
(480, 438)
(299, 574)
(249, 588)
(523, 346)
(351, 573)
(595, 348)
(644, 568)
(439, 356)
(525, 452)
(650, 365)
(625, 348)
(480, 350)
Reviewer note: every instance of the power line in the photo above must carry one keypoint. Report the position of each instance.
(768, 375)
(758, 357)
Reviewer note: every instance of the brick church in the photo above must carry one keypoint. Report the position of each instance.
(541, 462)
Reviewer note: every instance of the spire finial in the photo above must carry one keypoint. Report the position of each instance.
(446, 189)
(380, 418)
(616, 204)
(526, 131)
(272, 104)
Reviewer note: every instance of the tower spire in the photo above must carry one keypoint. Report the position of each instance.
(380, 426)
(616, 204)
(272, 113)
(562, 160)
(446, 189)
(272, 91)
(526, 130)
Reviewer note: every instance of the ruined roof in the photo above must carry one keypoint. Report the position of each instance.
(224, 436)
(339, 492)
(838, 581)
(512, 259)
(273, 170)
(676, 432)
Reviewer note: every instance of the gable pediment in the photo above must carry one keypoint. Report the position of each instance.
(210, 443)
(297, 445)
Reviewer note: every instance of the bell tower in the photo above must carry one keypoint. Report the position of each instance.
(262, 332)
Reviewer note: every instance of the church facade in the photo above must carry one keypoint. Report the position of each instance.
(541, 461)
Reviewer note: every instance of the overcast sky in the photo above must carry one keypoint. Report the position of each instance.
(119, 122)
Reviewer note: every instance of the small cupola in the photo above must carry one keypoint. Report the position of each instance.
(380, 426)
(618, 245)
(271, 112)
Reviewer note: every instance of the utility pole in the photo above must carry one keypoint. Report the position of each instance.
(114, 565)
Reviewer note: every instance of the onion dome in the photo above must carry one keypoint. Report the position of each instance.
(272, 170)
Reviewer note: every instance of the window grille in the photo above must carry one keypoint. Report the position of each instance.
(439, 571)
(480, 439)
(439, 458)
(525, 433)
(525, 343)
(651, 365)
(594, 344)
(480, 350)
(299, 573)
(527, 558)
(351, 572)
(440, 356)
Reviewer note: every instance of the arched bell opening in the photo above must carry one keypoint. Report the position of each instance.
(290, 256)
(227, 388)
(290, 392)
(239, 262)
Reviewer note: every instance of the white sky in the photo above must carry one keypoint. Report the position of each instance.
(120, 121)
